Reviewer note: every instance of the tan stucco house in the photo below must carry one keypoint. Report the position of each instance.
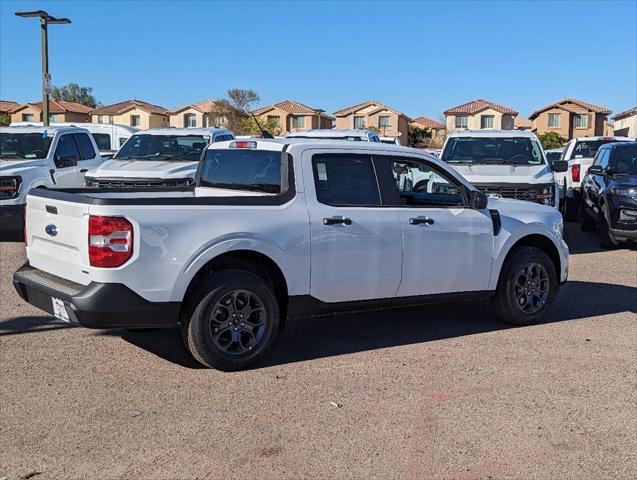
(59, 111)
(571, 118)
(626, 123)
(480, 114)
(198, 115)
(438, 130)
(292, 116)
(389, 121)
(134, 113)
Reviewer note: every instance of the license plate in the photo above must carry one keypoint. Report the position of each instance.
(59, 310)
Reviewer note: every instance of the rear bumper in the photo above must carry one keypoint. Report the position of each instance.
(11, 218)
(96, 305)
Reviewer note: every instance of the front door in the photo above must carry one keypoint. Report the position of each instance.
(448, 247)
(356, 244)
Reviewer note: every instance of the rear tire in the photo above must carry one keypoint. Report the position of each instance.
(586, 223)
(234, 320)
(606, 239)
(527, 286)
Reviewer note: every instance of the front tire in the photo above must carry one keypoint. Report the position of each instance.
(234, 320)
(606, 239)
(527, 286)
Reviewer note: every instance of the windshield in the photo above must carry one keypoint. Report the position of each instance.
(588, 148)
(624, 161)
(241, 169)
(482, 150)
(26, 146)
(185, 148)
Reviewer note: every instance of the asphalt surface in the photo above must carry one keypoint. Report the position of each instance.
(439, 392)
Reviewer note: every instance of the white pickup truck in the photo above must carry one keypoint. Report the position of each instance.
(159, 157)
(579, 153)
(504, 163)
(284, 228)
(40, 157)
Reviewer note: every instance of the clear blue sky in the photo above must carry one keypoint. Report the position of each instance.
(419, 57)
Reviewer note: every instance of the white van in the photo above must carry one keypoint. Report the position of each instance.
(159, 157)
(109, 137)
(337, 134)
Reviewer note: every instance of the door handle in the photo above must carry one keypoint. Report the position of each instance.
(337, 220)
(84, 170)
(421, 220)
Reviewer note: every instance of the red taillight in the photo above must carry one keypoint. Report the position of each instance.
(575, 173)
(243, 144)
(110, 241)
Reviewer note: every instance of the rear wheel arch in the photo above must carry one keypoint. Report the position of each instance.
(246, 260)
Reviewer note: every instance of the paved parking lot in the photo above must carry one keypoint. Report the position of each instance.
(441, 392)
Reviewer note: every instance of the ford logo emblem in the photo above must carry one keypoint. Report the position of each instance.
(51, 230)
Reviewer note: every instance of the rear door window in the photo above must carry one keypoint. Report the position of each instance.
(345, 180)
(243, 170)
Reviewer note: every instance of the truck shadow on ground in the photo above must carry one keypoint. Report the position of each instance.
(580, 242)
(319, 337)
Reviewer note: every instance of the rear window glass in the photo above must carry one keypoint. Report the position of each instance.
(103, 141)
(243, 169)
(588, 148)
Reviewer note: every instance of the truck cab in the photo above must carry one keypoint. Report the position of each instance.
(40, 157)
(160, 157)
(504, 163)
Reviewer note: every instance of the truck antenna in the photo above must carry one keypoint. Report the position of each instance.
(264, 133)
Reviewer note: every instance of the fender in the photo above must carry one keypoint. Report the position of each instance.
(510, 236)
(297, 278)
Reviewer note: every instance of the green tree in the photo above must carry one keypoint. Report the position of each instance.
(236, 109)
(4, 120)
(72, 92)
(372, 128)
(551, 140)
(250, 127)
(418, 137)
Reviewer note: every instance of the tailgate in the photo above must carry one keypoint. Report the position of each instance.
(57, 237)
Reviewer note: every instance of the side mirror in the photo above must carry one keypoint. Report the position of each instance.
(478, 200)
(596, 170)
(559, 166)
(66, 161)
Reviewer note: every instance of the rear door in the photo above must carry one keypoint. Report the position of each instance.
(448, 247)
(356, 244)
(57, 237)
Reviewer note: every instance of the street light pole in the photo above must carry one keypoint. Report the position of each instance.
(45, 19)
(44, 30)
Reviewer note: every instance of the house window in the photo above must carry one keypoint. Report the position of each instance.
(383, 123)
(298, 121)
(554, 120)
(27, 117)
(190, 120)
(135, 120)
(218, 120)
(274, 119)
(462, 122)
(111, 119)
(100, 119)
(486, 121)
(359, 123)
(581, 121)
(54, 117)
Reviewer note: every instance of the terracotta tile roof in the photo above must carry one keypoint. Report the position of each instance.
(355, 108)
(7, 105)
(563, 104)
(290, 106)
(204, 106)
(627, 113)
(475, 106)
(122, 107)
(429, 123)
(57, 106)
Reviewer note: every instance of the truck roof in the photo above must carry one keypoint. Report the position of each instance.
(183, 131)
(39, 129)
(493, 133)
(607, 137)
(329, 132)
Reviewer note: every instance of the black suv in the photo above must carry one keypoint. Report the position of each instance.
(609, 194)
